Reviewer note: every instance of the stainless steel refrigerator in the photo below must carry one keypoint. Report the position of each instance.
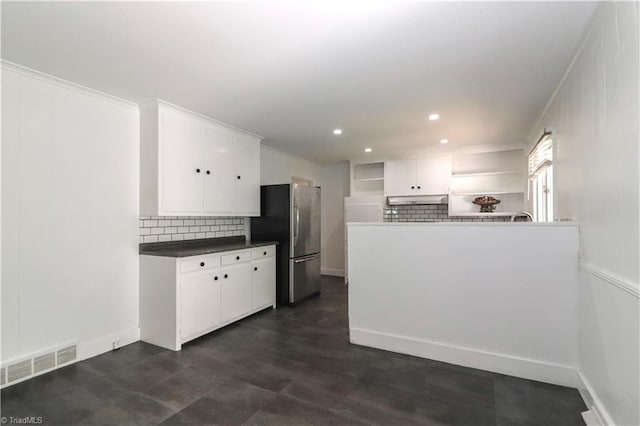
(290, 214)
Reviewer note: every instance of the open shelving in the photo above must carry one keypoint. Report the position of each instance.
(367, 178)
(499, 174)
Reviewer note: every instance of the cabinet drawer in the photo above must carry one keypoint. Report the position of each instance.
(199, 263)
(261, 252)
(235, 257)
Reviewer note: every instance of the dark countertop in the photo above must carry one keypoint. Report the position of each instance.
(198, 247)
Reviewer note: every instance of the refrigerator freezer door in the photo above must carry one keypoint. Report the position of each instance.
(305, 220)
(305, 277)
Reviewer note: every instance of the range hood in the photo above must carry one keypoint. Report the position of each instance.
(418, 199)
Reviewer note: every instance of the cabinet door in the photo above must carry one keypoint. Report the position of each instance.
(181, 151)
(247, 187)
(236, 291)
(199, 303)
(263, 282)
(219, 170)
(433, 175)
(400, 178)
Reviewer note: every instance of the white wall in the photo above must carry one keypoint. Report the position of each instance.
(278, 167)
(595, 115)
(456, 292)
(334, 180)
(69, 216)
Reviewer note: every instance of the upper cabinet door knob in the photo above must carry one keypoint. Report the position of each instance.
(201, 263)
(238, 177)
(208, 172)
(237, 257)
(418, 186)
(197, 170)
(413, 187)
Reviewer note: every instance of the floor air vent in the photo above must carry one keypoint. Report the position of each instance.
(19, 370)
(44, 362)
(67, 354)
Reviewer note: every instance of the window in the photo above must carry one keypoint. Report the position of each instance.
(541, 179)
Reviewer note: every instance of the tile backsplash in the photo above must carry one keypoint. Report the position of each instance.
(155, 229)
(432, 213)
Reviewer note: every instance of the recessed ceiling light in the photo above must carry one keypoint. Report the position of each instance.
(368, 150)
(443, 141)
(337, 131)
(434, 116)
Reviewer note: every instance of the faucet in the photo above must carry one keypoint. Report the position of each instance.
(525, 214)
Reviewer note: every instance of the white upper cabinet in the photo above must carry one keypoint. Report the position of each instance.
(433, 175)
(219, 180)
(400, 177)
(247, 176)
(191, 165)
(425, 176)
(181, 141)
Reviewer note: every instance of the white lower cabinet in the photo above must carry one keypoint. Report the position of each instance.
(199, 303)
(263, 281)
(184, 298)
(236, 291)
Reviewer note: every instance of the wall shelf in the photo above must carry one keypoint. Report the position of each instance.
(499, 174)
(481, 193)
(505, 172)
(367, 178)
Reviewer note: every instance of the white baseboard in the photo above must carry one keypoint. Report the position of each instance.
(499, 363)
(590, 419)
(332, 272)
(100, 345)
(597, 414)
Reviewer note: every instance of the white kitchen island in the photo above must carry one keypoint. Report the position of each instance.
(494, 296)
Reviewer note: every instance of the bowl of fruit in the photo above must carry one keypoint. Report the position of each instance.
(487, 203)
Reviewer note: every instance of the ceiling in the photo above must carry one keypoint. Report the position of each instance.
(292, 72)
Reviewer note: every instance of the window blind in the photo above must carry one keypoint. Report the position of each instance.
(541, 155)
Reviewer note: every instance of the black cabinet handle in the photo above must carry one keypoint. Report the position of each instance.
(208, 172)
(264, 253)
(255, 268)
(237, 257)
(226, 275)
(413, 187)
(201, 263)
(197, 170)
(215, 278)
(238, 177)
(418, 187)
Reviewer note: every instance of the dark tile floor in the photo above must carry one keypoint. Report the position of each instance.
(285, 367)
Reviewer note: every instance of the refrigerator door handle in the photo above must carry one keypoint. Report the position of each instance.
(296, 229)
(306, 258)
